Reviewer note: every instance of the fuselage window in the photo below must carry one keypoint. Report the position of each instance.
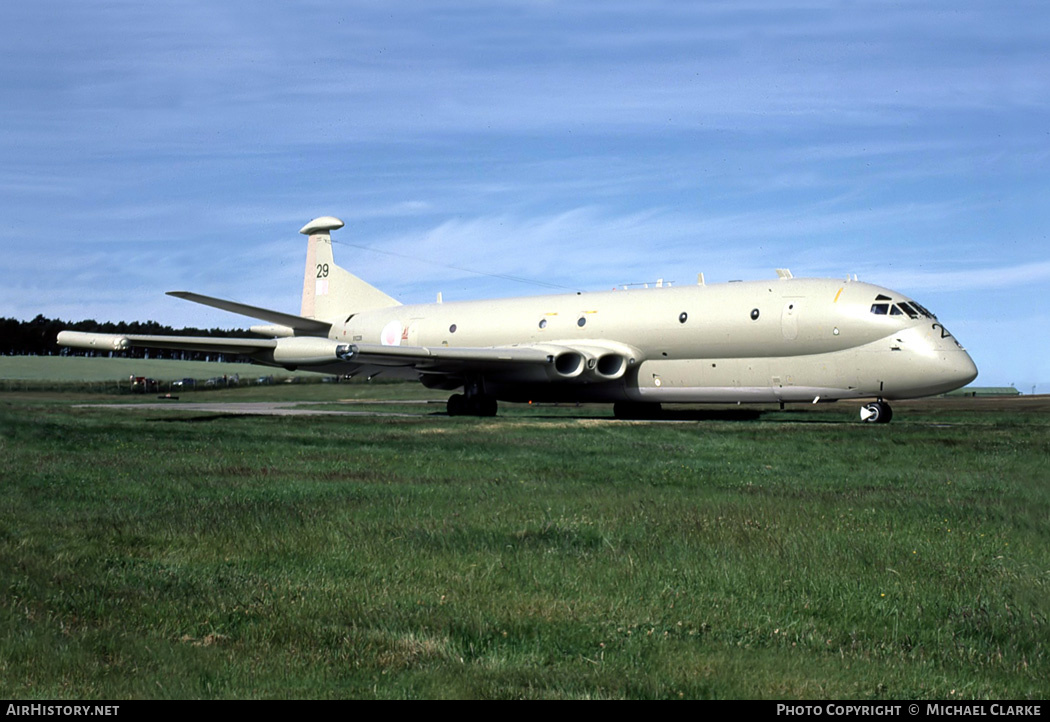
(682, 317)
(452, 328)
(880, 309)
(582, 322)
(754, 314)
(543, 323)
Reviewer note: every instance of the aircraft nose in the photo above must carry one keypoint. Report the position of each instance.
(957, 369)
(968, 369)
(936, 364)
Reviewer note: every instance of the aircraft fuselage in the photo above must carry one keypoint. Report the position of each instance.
(763, 341)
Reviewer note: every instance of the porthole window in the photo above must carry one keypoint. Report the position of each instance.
(452, 328)
(543, 323)
(754, 314)
(682, 317)
(581, 322)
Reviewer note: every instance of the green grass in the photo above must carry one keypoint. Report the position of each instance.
(544, 553)
(113, 375)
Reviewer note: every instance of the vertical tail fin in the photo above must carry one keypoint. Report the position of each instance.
(328, 290)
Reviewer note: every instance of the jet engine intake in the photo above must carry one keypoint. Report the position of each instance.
(610, 366)
(606, 362)
(594, 361)
(568, 364)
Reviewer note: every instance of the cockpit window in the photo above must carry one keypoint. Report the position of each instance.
(884, 306)
(912, 313)
(922, 310)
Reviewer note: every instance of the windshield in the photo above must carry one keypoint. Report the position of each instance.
(887, 306)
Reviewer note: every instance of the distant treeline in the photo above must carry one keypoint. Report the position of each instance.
(37, 338)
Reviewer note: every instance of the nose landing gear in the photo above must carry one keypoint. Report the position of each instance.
(877, 412)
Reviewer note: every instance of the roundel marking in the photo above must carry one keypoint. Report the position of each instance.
(391, 335)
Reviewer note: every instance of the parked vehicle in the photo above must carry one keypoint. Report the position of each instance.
(142, 385)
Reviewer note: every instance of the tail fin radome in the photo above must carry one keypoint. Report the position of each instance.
(328, 290)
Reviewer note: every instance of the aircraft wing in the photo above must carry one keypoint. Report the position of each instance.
(357, 354)
(302, 325)
(557, 361)
(119, 342)
(422, 356)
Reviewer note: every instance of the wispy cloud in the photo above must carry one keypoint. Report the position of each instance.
(1012, 278)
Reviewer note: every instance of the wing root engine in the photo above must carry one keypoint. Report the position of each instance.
(593, 361)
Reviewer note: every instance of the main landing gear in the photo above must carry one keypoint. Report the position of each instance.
(877, 412)
(463, 405)
(637, 410)
(474, 401)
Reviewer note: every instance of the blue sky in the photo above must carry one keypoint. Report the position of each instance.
(149, 147)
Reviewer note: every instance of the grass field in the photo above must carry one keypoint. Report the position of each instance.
(110, 374)
(550, 552)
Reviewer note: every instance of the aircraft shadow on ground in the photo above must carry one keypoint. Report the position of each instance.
(204, 418)
(684, 415)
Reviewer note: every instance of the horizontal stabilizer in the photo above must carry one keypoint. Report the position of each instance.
(304, 326)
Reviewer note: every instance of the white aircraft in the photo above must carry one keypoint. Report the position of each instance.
(785, 340)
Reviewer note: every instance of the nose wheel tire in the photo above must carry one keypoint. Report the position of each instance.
(877, 412)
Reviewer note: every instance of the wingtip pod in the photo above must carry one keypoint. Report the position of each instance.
(97, 341)
(318, 225)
